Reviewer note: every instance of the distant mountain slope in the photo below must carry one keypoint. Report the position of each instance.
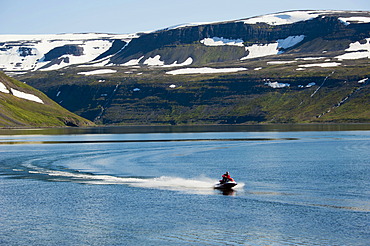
(291, 67)
(21, 106)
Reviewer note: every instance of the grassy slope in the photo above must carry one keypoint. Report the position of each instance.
(17, 112)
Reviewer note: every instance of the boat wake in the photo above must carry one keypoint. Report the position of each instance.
(199, 185)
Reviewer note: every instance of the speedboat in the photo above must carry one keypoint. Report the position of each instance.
(228, 185)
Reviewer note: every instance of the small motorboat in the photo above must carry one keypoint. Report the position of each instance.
(228, 185)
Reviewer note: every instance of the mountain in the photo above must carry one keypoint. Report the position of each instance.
(333, 33)
(23, 106)
(290, 67)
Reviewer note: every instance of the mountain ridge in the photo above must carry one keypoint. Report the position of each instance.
(19, 54)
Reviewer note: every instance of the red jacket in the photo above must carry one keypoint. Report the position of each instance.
(227, 177)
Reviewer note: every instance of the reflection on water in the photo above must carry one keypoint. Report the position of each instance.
(15, 141)
(184, 129)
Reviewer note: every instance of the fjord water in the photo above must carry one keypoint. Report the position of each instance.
(117, 187)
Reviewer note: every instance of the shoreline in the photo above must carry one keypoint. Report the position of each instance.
(131, 129)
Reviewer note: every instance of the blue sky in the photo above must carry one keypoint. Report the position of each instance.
(130, 16)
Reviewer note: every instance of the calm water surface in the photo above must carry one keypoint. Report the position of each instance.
(119, 187)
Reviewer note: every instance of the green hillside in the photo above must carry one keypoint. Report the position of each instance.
(19, 112)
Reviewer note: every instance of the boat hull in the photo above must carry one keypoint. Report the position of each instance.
(225, 186)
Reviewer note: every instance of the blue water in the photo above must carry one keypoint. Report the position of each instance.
(295, 188)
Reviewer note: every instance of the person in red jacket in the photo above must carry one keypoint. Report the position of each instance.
(226, 177)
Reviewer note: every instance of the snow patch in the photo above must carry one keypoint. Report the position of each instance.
(155, 61)
(187, 25)
(310, 84)
(354, 55)
(290, 41)
(205, 70)
(257, 68)
(283, 18)
(3, 88)
(187, 62)
(26, 96)
(356, 50)
(216, 41)
(132, 62)
(356, 19)
(363, 80)
(66, 36)
(277, 85)
(310, 58)
(279, 62)
(326, 64)
(260, 50)
(99, 71)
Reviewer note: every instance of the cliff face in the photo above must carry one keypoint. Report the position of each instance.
(319, 34)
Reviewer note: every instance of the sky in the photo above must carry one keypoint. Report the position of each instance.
(131, 16)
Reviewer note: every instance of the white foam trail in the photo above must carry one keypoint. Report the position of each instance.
(199, 185)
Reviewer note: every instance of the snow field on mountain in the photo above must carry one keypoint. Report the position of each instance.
(3, 89)
(205, 70)
(283, 18)
(356, 50)
(20, 94)
(291, 17)
(13, 58)
(256, 50)
(26, 96)
(65, 36)
(309, 58)
(280, 62)
(156, 61)
(91, 50)
(260, 50)
(216, 41)
(277, 85)
(132, 62)
(99, 71)
(355, 19)
(324, 64)
(187, 62)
